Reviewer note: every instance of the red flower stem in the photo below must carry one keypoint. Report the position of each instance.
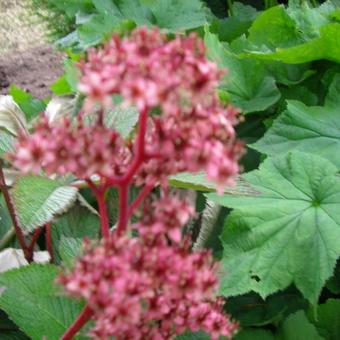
(83, 317)
(99, 192)
(34, 240)
(123, 217)
(140, 198)
(49, 243)
(20, 235)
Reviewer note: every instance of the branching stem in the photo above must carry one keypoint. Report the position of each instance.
(20, 235)
(84, 316)
(99, 192)
(123, 217)
(140, 198)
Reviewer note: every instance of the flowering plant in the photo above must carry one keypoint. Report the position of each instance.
(142, 280)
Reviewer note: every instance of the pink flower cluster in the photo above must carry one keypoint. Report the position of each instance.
(202, 138)
(194, 131)
(149, 71)
(71, 148)
(151, 286)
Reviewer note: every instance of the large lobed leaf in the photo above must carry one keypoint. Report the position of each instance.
(171, 15)
(311, 129)
(248, 83)
(288, 234)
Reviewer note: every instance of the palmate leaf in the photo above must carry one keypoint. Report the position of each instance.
(171, 15)
(31, 300)
(178, 15)
(311, 129)
(289, 233)
(274, 28)
(38, 200)
(248, 83)
(326, 46)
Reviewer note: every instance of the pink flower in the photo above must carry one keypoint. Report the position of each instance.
(66, 148)
(149, 71)
(151, 286)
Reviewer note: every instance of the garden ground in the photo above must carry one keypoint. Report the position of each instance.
(26, 58)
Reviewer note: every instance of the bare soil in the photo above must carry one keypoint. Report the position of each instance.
(33, 70)
(26, 58)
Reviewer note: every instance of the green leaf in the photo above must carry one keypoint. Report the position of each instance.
(69, 249)
(254, 334)
(172, 15)
(61, 87)
(198, 181)
(30, 299)
(248, 83)
(13, 335)
(308, 20)
(134, 10)
(7, 142)
(274, 28)
(193, 336)
(29, 105)
(178, 15)
(333, 99)
(324, 47)
(72, 74)
(288, 234)
(5, 224)
(38, 200)
(328, 319)
(122, 120)
(297, 327)
(232, 27)
(311, 129)
(251, 310)
(12, 119)
(76, 224)
(333, 284)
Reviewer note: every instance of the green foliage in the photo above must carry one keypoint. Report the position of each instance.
(69, 249)
(311, 129)
(95, 20)
(31, 106)
(297, 327)
(69, 230)
(32, 301)
(6, 142)
(122, 120)
(328, 319)
(281, 241)
(38, 200)
(247, 82)
(287, 234)
(253, 311)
